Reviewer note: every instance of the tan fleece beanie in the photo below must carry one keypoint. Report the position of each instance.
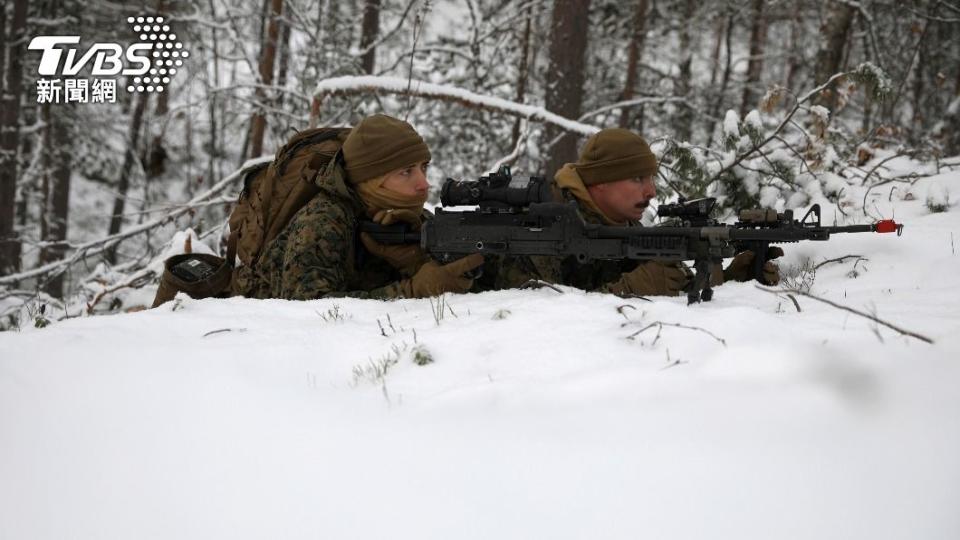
(380, 144)
(615, 154)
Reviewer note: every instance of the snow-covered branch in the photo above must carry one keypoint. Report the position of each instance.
(351, 85)
(98, 246)
(783, 123)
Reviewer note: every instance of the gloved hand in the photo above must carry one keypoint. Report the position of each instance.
(407, 258)
(741, 267)
(433, 278)
(653, 278)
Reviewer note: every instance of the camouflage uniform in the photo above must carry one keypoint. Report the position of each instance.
(319, 255)
(611, 155)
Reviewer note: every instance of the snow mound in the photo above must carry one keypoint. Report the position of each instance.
(510, 414)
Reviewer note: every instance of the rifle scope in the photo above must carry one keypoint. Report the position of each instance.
(494, 190)
(684, 209)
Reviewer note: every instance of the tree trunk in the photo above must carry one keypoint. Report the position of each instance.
(155, 161)
(836, 26)
(523, 72)
(793, 65)
(328, 16)
(867, 98)
(683, 122)
(927, 64)
(369, 30)
(269, 53)
(213, 154)
(119, 203)
(285, 54)
(758, 38)
(568, 44)
(10, 139)
(634, 52)
(715, 55)
(724, 80)
(952, 131)
(3, 45)
(956, 83)
(54, 219)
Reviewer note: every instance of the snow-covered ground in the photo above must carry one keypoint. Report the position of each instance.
(541, 415)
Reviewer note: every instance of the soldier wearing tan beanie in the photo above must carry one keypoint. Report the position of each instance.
(380, 174)
(613, 182)
(381, 144)
(614, 177)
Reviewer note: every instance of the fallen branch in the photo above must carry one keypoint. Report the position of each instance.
(839, 260)
(352, 85)
(873, 318)
(94, 247)
(907, 179)
(539, 284)
(222, 330)
(659, 325)
(620, 310)
(135, 281)
(863, 182)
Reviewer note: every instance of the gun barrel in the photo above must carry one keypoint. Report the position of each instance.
(882, 226)
(397, 233)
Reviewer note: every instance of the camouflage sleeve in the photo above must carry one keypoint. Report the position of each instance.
(317, 257)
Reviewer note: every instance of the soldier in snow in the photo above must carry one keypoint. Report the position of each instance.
(380, 174)
(613, 183)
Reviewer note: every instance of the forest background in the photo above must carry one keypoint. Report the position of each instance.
(769, 103)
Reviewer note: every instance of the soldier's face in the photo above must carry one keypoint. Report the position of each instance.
(624, 200)
(409, 181)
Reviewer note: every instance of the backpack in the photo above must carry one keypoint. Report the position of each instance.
(272, 193)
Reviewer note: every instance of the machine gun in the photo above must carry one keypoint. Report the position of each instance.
(522, 219)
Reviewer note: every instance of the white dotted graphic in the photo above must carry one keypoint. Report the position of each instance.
(167, 52)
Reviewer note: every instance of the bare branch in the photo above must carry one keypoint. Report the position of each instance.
(98, 246)
(840, 260)
(659, 325)
(632, 103)
(869, 316)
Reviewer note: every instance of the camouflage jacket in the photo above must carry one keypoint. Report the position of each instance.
(319, 253)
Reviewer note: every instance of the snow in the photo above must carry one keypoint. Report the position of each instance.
(821, 113)
(798, 199)
(731, 124)
(753, 120)
(402, 85)
(539, 417)
(877, 76)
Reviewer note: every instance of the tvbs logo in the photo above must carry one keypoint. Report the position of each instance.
(149, 63)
